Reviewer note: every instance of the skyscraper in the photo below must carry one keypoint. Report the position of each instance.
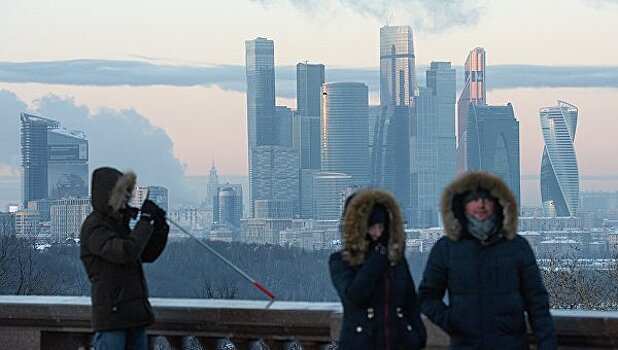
(285, 117)
(473, 93)
(67, 216)
(441, 80)
(559, 172)
(274, 175)
(34, 155)
(261, 117)
(309, 80)
(67, 164)
(213, 184)
(391, 146)
(227, 206)
(424, 161)
(345, 140)
(492, 141)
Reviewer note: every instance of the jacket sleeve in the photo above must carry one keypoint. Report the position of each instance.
(107, 244)
(414, 312)
(536, 300)
(433, 286)
(157, 242)
(356, 286)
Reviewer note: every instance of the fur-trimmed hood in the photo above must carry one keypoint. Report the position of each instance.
(108, 188)
(451, 206)
(354, 226)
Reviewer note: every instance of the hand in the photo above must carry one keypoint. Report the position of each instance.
(160, 215)
(149, 210)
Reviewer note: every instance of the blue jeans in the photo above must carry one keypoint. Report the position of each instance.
(127, 339)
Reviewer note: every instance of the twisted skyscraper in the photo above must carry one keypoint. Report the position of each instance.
(559, 173)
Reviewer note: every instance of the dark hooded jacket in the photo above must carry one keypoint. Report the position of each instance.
(112, 254)
(491, 285)
(380, 309)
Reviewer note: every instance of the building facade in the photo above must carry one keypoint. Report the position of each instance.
(67, 216)
(67, 164)
(492, 142)
(473, 93)
(345, 141)
(559, 171)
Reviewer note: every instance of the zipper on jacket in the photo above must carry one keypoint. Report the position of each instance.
(387, 344)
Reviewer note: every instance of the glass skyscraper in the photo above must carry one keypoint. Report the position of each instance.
(559, 172)
(34, 155)
(261, 116)
(345, 140)
(67, 164)
(441, 80)
(473, 93)
(309, 80)
(391, 145)
(492, 141)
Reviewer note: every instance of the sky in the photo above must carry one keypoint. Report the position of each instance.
(176, 70)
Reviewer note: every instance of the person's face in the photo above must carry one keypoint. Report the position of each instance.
(481, 208)
(376, 231)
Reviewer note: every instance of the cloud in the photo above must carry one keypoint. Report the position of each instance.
(123, 139)
(425, 15)
(232, 77)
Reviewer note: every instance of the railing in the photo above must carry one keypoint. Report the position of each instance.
(56, 322)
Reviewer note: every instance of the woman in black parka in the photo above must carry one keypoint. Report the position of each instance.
(372, 278)
(488, 270)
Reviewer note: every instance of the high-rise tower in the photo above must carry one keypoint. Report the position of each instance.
(473, 93)
(559, 172)
(345, 140)
(309, 80)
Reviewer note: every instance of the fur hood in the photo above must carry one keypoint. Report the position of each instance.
(451, 206)
(108, 188)
(354, 226)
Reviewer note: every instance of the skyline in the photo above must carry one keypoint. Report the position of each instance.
(186, 108)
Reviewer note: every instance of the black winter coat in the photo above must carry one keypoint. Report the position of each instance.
(112, 254)
(380, 309)
(491, 286)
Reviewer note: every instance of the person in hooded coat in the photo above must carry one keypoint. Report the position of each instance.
(112, 254)
(372, 278)
(489, 271)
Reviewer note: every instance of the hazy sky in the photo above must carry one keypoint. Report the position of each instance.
(208, 121)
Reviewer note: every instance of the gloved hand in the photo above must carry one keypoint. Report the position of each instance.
(160, 216)
(149, 210)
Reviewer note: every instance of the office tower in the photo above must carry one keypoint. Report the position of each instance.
(67, 164)
(424, 202)
(309, 80)
(306, 192)
(227, 205)
(559, 172)
(67, 216)
(27, 223)
(492, 141)
(373, 112)
(261, 116)
(7, 224)
(34, 155)
(473, 93)
(391, 146)
(273, 209)
(441, 80)
(213, 184)
(345, 142)
(285, 117)
(274, 174)
(397, 67)
(157, 194)
(329, 194)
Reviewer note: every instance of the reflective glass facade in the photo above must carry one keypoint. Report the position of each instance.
(397, 75)
(559, 171)
(345, 140)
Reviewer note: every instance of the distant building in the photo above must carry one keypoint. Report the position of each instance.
(269, 209)
(309, 80)
(34, 155)
(329, 193)
(227, 206)
(345, 142)
(285, 118)
(473, 93)
(67, 216)
(559, 173)
(262, 230)
(492, 143)
(221, 233)
(552, 224)
(274, 175)
(27, 223)
(43, 206)
(7, 224)
(211, 187)
(67, 164)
